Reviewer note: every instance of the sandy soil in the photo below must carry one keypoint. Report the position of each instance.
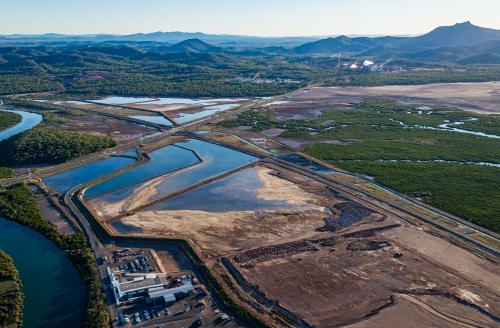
(233, 230)
(140, 196)
(464, 262)
(230, 139)
(172, 258)
(409, 314)
(476, 97)
(280, 189)
(274, 189)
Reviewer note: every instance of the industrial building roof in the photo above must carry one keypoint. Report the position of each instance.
(141, 284)
(169, 298)
(171, 291)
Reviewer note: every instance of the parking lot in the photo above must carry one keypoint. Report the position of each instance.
(185, 312)
(196, 310)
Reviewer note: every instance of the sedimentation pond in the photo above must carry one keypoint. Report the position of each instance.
(29, 121)
(153, 119)
(216, 160)
(237, 192)
(163, 160)
(54, 293)
(206, 111)
(65, 181)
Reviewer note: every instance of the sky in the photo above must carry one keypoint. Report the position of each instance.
(243, 17)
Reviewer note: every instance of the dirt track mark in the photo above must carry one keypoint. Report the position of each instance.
(434, 312)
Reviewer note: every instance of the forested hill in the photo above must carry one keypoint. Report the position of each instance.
(101, 69)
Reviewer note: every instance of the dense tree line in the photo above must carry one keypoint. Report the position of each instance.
(469, 191)
(11, 298)
(16, 205)
(414, 78)
(151, 85)
(50, 146)
(8, 120)
(14, 84)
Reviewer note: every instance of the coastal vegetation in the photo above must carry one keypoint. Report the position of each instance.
(52, 146)
(23, 82)
(16, 205)
(8, 120)
(469, 191)
(408, 148)
(11, 298)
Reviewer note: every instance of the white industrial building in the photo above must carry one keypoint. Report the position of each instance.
(149, 285)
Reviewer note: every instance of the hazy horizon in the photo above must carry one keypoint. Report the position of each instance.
(278, 18)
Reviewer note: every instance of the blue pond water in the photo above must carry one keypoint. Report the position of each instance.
(29, 121)
(217, 160)
(54, 293)
(121, 100)
(153, 119)
(164, 160)
(65, 181)
(236, 192)
(183, 118)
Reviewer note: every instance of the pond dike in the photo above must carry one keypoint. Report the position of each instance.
(177, 193)
(174, 122)
(97, 231)
(159, 127)
(176, 171)
(260, 297)
(191, 135)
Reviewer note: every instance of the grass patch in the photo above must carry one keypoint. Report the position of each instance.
(485, 239)
(379, 192)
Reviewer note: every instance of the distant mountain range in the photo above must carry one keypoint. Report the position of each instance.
(462, 43)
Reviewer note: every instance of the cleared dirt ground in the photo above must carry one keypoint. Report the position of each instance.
(336, 286)
(326, 283)
(122, 131)
(172, 258)
(424, 312)
(219, 233)
(477, 97)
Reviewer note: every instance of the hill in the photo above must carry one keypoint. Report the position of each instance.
(462, 34)
(336, 45)
(486, 58)
(377, 51)
(193, 45)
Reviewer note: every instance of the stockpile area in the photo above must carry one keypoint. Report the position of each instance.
(345, 284)
(366, 245)
(276, 250)
(350, 213)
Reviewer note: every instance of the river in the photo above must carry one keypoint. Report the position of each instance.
(54, 293)
(29, 121)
